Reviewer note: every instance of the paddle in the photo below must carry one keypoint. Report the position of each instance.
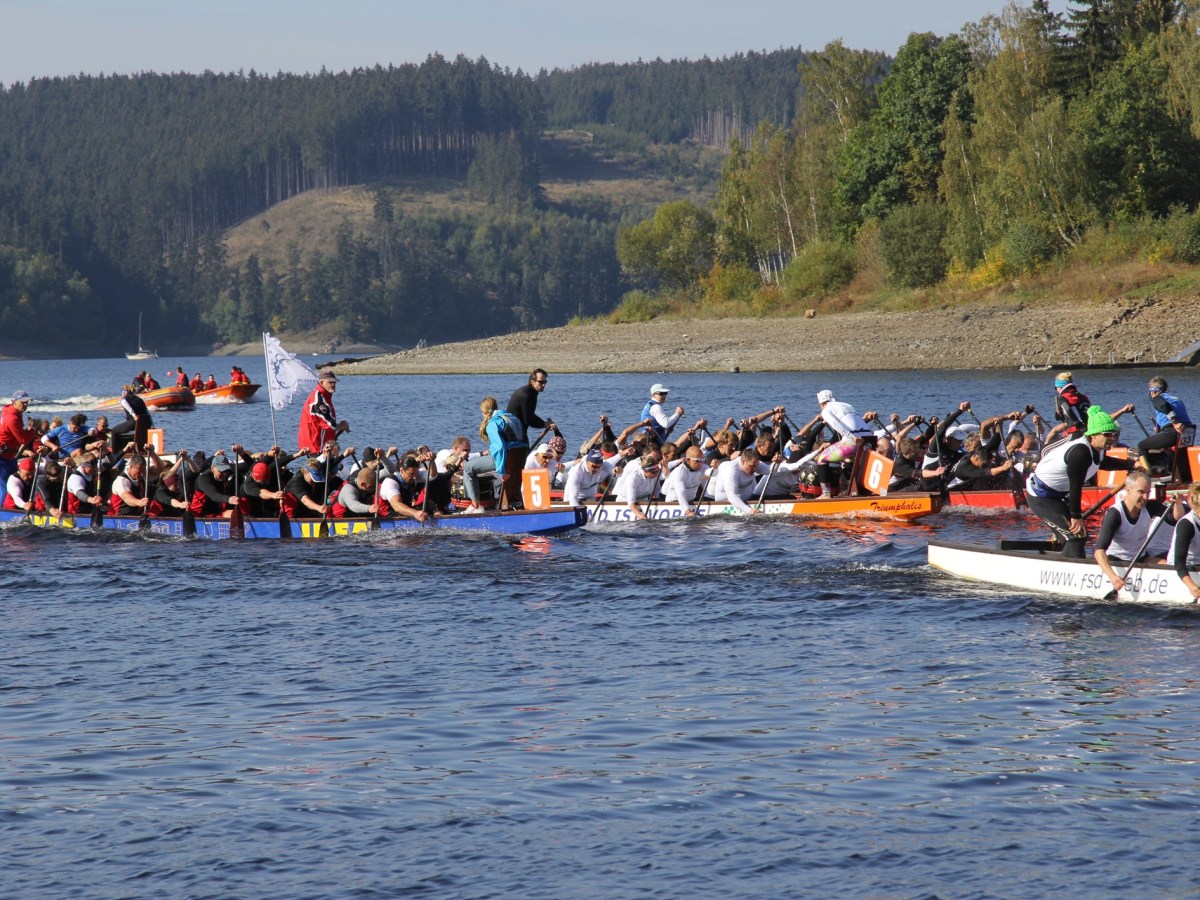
(766, 484)
(189, 518)
(144, 521)
(33, 485)
(323, 528)
(654, 492)
(285, 524)
(98, 506)
(237, 522)
(1112, 595)
(1137, 419)
(537, 440)
(612, 483)
(1099, 503)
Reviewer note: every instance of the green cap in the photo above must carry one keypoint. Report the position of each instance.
(1100, 422)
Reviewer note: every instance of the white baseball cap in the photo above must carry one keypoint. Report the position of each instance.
(660, 389)
(825, 397)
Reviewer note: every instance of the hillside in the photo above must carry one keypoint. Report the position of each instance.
(579, 172)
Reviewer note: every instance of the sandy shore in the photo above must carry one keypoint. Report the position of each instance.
(993, 336)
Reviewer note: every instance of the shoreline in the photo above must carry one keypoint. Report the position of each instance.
(1144, 331)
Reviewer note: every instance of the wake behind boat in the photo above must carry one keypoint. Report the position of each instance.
(1035, 566)
(534, 522)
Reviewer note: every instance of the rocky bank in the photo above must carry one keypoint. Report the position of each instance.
(983, 336)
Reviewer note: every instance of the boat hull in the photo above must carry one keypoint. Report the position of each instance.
(242, 392)
(163, 398)
(1036, 569)
(1006, 499)
(537, 522)
(897, 506)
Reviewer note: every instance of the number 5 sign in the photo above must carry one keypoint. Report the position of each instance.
(876, 473)
(535, 488)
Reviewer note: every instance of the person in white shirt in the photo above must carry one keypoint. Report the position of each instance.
(736, 479)
(639, 481)
(683, 484)
(543, 458)
(584, 477)
(850, 427)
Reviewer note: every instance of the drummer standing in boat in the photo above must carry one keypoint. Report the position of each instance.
(318, 421)
(136, 411)
(1055, 489)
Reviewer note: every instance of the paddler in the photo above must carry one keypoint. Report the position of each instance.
(1055, 490)
(1125, 528)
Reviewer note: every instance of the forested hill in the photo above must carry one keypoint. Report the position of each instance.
(115, 191)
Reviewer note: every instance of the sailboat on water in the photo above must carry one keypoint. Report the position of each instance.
(142, 352)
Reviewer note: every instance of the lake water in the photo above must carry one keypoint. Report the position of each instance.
(708, 708)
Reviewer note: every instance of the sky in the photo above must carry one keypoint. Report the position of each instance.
(40, 38)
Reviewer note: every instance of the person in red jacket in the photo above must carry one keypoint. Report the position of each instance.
(181, 379)
(197, 383)
(210, 384)
(318, 421)
(15, 438)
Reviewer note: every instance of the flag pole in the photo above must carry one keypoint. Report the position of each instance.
(271, 393)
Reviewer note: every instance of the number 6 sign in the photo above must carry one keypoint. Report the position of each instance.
(876, 473)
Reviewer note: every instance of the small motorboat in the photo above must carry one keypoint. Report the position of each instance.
(163, 398)
(239, 393)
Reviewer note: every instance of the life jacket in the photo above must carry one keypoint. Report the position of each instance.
(654, 426)
(1051, 479)
(1193, 549)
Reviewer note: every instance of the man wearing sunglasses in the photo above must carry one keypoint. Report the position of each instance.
(523, 405)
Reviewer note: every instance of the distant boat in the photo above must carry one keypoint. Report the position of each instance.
(239, 392)
(142, 352)
(1031, 367)
(163, 398)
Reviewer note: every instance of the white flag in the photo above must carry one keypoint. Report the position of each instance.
(286, 375)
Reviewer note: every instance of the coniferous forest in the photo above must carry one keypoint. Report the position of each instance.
(972, 158)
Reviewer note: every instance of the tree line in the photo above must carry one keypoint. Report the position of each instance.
(114, 191)
(974, 157)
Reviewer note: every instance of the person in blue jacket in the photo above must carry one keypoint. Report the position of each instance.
(507, 449)
(1171, 421)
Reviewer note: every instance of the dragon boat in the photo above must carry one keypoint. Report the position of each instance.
(906, 507)
(533, 522)
(1038, 566)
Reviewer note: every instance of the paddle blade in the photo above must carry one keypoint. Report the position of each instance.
(189, 523)
(97, 517)
(237, 524)
(144, 523)
(323, 529)
(285, 527)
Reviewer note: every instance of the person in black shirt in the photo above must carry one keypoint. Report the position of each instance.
(523, 405)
